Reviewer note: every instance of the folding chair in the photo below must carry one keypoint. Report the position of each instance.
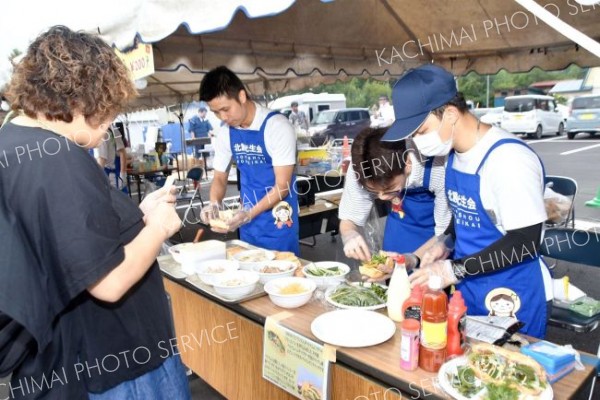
(195, 175)
(567, 187)
(581, 247)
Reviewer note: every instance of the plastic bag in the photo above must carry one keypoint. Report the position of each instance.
(557, 206)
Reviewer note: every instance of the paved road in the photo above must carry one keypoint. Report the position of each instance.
(579, 159)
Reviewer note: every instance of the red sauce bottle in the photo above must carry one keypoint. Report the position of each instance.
(457, 319)
(411, 309)
(434, 325)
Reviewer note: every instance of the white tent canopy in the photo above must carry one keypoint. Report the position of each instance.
(301, 43)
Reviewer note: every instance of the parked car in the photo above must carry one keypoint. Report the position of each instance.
(584, 116)
(493, 116)
(335, 124)
(533, 115)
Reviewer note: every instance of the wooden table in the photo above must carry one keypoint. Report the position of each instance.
(139, 173)
(223, 343)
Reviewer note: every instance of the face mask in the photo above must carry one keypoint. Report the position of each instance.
(430, 144)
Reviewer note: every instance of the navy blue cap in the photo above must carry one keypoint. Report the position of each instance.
(415, 95)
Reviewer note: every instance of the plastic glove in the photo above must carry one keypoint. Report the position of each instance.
(122, 179)
(241, 218)
(153, 199)
(441, 268)
(355, 246)
(164, 217)
(209, 211)
(440, 250)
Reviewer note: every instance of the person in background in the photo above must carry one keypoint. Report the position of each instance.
(263, 144)
(495, 188)
(200, 127)
(111, 154)
(80, 255)
(385, 111)
(418, 208)
(298, 118)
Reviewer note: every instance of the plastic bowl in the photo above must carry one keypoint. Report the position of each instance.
(190, 254)
(286, 268)
(327, 281)
(208, 270)
(253, 258)
(233, 285)
(274, 287)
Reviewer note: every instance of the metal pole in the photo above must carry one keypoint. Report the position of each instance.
(487, 94)
(182, 131)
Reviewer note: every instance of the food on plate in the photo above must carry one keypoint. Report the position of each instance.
(234, 282)
(293, 288)
(276, 340)
(465, 382)
(233, 250)
(322, 271)
(359, 295)
(214, 270)
(253, 257)
(505, 374)
(309, 392)
(371, 268)
(274, 269)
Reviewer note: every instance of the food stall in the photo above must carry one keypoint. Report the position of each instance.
(222, 341)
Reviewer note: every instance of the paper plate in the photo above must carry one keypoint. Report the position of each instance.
(353, 328)
(451, 367)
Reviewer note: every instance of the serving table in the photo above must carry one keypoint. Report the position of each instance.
(223, 343)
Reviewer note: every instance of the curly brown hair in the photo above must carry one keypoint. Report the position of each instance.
(66, 73)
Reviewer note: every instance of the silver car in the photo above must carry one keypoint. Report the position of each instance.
(584, 116)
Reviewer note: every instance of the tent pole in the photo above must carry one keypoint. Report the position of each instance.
(182, 132)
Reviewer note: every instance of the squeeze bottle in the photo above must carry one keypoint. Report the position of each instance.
(412, 306)
(434, 325)
(398, 291)
(457, 320)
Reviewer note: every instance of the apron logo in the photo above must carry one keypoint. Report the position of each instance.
(397, 206)
(282, 212)
(502, 302)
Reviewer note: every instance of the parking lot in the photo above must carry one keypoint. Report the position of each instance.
(579, 159)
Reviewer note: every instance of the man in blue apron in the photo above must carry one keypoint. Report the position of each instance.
(494, 185)
(263, 145)
(414, 213)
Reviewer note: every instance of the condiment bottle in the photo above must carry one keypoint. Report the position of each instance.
(412, 306)
(398, 290)
(434, 324)
(457, 319)
(409, 346)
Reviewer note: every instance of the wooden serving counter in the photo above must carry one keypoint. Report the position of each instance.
(223, 343)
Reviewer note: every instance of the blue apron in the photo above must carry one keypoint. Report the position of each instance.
(275, 229)
(407, 230)
(516, 291)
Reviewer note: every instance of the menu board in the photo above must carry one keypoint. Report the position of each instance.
(296, 364)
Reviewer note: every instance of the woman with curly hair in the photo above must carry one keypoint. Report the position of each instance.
(83, 311)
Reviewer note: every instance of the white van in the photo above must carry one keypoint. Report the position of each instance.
(533, 115)
(310, 103)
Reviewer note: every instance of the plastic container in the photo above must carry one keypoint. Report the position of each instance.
(412, 306)
(189, 255)
(551, 356)
(409, 346)
(434, 326)
(398, 290)
(457, 322)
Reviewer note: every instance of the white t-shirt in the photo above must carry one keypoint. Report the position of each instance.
(280, 140)
(512, 185)
(108, 150)
(356, 201)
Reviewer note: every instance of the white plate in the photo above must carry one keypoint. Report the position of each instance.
(451, 367)
(330, 291)
(353, 328)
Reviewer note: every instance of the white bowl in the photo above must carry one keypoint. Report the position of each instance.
(236, 284)
(250, 258)
(327, 281)
(190, 254)
(286, 268)
(273, 288)
(208, 270)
